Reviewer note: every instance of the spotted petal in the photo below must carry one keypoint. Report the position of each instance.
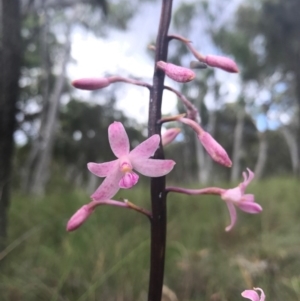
(109, 187)
(146, 149)
(118, 139)
(102, 169)
(152, 167)
(232, 213)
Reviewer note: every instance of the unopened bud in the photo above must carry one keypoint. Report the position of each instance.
(169, 135)
(214, 149)
(221, 62)
(91, 83)
(79, 217)
(177, 73)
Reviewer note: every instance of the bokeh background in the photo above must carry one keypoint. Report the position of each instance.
(255, 115)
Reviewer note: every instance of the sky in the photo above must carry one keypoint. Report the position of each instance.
(125, 54)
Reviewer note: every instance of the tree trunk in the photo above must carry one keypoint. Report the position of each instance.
(44, 143)
(291, 141)
(262, 155)
(10, 58)
(237, 146)
(45, 87)
(205, 163)
(297, 170)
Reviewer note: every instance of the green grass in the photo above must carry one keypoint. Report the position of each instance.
(108, 257)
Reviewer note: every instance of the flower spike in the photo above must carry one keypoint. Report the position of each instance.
(119, 173)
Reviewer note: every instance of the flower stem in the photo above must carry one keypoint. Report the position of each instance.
(158, 194)
(208, 190)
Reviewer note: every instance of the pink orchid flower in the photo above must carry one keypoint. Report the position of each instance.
(119, 173)
(253, 295)
(233, 197)
(236, 196)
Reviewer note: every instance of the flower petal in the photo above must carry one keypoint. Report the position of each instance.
(248, 198)
(109, 187)
(101, 169)
(152, 167)
(232, 195)
(118, 139)
(250, 294)
(232, 213)
(250, 207)
(146, 149)
(247, 180)
(262, 294)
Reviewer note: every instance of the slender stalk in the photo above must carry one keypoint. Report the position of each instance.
(208, 190)
(192, 111)
(158, 194)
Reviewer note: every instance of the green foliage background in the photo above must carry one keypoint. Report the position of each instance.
(108, 257)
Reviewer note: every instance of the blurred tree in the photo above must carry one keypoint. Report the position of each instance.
(49, 25)
(265, 40)
(37, 172)
(10, 62)
(238, 139)
(39, 43)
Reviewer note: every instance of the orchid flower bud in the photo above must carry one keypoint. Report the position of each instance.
(177, 73)
(91, 84)
(79, 217)
(213, 60)
(214, 149)
(169, 135)
(221, 62)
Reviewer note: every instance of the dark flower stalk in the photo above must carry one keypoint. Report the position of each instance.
(158, 194)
